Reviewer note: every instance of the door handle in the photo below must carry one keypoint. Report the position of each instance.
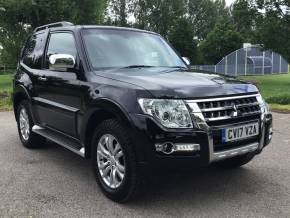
(42, 78)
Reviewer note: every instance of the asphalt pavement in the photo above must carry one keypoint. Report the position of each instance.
(53, 182)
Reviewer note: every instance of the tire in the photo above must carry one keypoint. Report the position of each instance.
(124, 189)
(31, 139)
(237, 161)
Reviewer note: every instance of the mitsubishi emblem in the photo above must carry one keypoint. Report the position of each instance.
(235, 112)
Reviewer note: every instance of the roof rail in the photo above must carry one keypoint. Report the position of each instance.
(58, 24)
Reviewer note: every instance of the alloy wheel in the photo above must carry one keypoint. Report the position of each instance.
(24, 124)
(110, 160)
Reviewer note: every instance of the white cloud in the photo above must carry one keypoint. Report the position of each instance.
(229, 2)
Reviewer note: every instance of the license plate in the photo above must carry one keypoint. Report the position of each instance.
(240, 132)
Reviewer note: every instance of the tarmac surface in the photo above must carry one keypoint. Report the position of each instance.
(54, 182)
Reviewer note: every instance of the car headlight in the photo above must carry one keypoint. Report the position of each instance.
(260, 99)
(264, 106)
(170, 113)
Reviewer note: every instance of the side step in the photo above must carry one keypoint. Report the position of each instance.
(60, 139)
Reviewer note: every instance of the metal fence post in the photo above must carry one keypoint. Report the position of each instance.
(246, 61)
(272, 62)
(263, 69)
(226, 65)
(280, 64)
(236, 70)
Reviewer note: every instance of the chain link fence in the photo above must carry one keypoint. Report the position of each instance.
(4, 69)
(248, 61)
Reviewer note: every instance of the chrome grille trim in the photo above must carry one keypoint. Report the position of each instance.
(221, 98)
(229, 107)
(229, 117)
(217, 109)
(217, 156)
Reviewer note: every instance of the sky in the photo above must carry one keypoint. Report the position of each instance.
(229, 2)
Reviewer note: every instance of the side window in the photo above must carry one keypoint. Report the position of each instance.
(33, 51)
(60, 43)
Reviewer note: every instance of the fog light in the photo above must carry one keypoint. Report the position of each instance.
(166, 148)
(169, 147)
(187, 147)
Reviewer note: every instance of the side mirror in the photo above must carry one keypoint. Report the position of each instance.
(61, 62)
(186, 60)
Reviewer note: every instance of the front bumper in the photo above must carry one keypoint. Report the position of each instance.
(148, 134)
(256, 146)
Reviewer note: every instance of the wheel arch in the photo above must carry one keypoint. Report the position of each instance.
(20, 93)
(99, 111)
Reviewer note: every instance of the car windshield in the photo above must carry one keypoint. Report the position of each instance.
(109, 48)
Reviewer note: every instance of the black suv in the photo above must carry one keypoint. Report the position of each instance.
(124, 98)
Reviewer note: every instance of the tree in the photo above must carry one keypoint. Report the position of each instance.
(183, 22)
(19, 18)
(222, 40)
(118, 12)
(170, 20)
(204, 14)
(158, 15)
(222, 11)
(12, 29)
(89, 11)
(273, 29)
(245, 16)
(264, 22)
(182, 39)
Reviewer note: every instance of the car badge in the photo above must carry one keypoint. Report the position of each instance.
(235, 112)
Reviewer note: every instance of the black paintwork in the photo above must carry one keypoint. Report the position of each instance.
(74, 103)
(173, 83)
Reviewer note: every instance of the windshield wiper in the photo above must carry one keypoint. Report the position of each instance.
(148, 66)
(180, 67)
(137, 66)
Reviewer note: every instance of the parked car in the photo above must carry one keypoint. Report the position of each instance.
(124, 98)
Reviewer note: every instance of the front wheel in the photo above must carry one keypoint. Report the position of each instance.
(114, 161)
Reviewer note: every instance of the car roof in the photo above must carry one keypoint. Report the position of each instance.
(79, 27)
(115, 28)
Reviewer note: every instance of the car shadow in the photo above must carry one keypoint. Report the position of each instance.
(205, 186)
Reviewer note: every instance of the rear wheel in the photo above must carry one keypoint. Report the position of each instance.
(114, 161)
(237, 161)
(25, 123)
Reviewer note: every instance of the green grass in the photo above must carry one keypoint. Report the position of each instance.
(275, 89)
(6, 83)
(280, 108)
(5, 92)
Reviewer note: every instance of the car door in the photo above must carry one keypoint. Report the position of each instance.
(58, 98)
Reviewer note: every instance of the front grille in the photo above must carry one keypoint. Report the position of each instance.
(220, 113)
(239, 119)
(229, 108)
